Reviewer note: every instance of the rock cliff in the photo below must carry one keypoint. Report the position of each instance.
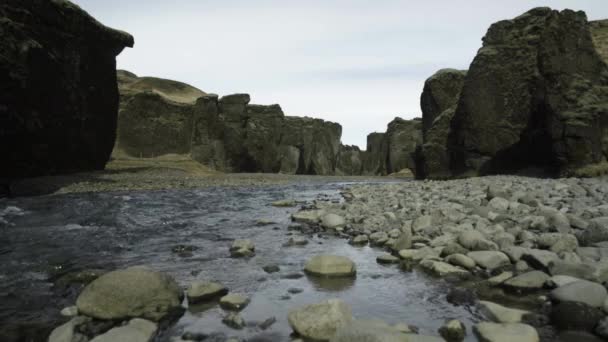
(438, 103)
(599, 33)
(155, 116)
(58, 91)
(525, 103)
(234, 136)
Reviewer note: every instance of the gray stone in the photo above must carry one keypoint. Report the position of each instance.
(489, 259)
(234, 301)
(129, 293)
(500, 314)
(320, 321)
(533, 280)
(201, 291)
(330, 266)
(592, 294)
(505, 332)
(138, 330)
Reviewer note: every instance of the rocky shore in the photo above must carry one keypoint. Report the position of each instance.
(527, 254)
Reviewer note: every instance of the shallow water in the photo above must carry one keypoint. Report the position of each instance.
(54, 235)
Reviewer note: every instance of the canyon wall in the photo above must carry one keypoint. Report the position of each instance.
(58, 91)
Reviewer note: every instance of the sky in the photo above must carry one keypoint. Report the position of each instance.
(360, 63)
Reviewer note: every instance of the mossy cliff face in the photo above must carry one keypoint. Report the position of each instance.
(155, 116)
(536, 94)
(234, 136)
(58, 92)
(599, 33)
(438, 102)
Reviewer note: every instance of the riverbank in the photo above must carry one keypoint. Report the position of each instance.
(535, 244)
(162, 173)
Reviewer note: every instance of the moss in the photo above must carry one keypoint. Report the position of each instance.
(589, 171)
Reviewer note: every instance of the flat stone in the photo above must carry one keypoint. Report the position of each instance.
(529, 281)
(442, 269)
(284, 203)
(590, 293)
(539, 259)
(319, 322)
(489, 259)
(330, 266)
(499, 279)
(462, 261)
(234, 301)
(505, 332)
(129, 293)
(387, 259)
(205, 290)
(138, 330)
(501, 314)
(332, 221)
(308, 216)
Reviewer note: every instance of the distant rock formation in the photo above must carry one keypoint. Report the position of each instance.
(228, 134)
(393, 151)
(234, 136)
(536, 95)
(599, 33)
(438, 103)
(58, 96)
(155, 116)
(349, 161)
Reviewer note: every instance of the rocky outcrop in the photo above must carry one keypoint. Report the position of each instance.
(234, 136)
(155, 116)
(58, 98)
(403, 136)
(438, 103)
(376, 154)
(525, 103)
(349, 161)
(599, 33)
(393, 151)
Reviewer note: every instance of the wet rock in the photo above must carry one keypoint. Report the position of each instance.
(503, 332)
(308, 216)
(242, 248)
(575, 316)
(475, 241)
(294, 290)
(367, 331)
(596, 232)
(573, 269)
(271, 268)
(296, 241)
(530, 281)
(359, 240)
(333, 221)
(192, 336)
(330, 266)
(203, 291)
(539, 259)
(462, 261)
(320, 321)
(453, 331)
(70, 311)
(284, 203)
(404, 241)
(234, 320)
(461, 296)
(129, 293)
(234, 301)
(602, 328)
(138, 330)
(489, 259)
(387, 259)
(67, 331)
(559, 281)
(501, 314)
(442, 269)
(592, 294)
(378, 238)
(501, 278)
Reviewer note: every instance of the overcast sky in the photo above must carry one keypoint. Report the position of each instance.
(356, 62)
